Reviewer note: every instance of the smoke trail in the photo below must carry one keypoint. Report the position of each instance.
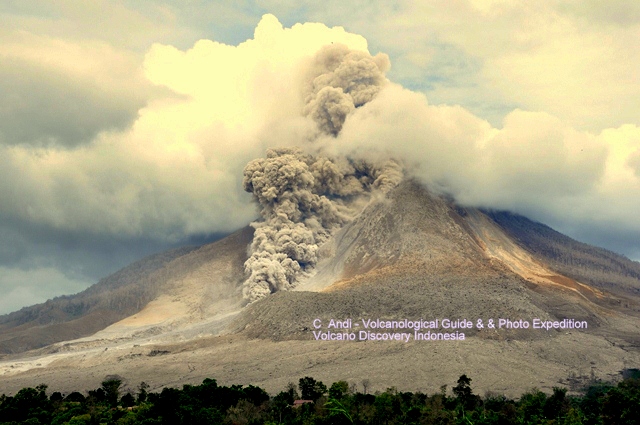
(305, 198)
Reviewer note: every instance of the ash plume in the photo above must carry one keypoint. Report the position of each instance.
(305, 198)
(339, 81)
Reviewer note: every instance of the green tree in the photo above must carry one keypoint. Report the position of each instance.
(142, 392)
(244, 413)
(464, 395)
(531, 406)
(80, 420)
(573, 417)
(462, 391)
(557, 405)
(127, 400)
(311, 389)
(29, 405)
(338, 389)
(337, 409)
(111, 388)
(255, 395)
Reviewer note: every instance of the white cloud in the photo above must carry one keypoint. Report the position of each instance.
(129, 24)
(177, 169)
(534, 164)
(573, 59)
(533, 156)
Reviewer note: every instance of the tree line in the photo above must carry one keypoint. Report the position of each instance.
(311, 402)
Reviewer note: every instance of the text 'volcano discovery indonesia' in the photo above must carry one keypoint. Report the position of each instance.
(426, 330)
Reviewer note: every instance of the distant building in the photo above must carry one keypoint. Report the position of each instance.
(298, 403)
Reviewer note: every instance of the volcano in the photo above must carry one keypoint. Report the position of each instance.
(524, 307)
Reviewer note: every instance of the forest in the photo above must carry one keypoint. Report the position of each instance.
(311, 402)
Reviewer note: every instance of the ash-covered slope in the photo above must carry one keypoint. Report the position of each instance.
(409, 254)
(416, 255)
(200, 289)
(68, 317)
(127, 293)
(598, 267)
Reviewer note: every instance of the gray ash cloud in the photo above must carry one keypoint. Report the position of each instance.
(339, 81)
(305, 198)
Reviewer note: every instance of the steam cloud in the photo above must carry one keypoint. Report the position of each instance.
(305, 198)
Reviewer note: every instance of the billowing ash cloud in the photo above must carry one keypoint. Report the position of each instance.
(304, 199)
(339, 81)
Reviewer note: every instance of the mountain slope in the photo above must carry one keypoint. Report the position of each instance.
(417, 254)
(414, 255)
(122, 295)
(68, 317)
(598, 267)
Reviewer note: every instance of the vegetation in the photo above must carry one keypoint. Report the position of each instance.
(210, 403)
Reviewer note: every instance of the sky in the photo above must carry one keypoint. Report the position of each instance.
(125, 125)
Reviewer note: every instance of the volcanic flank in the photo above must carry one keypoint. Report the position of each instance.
(409, 255)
